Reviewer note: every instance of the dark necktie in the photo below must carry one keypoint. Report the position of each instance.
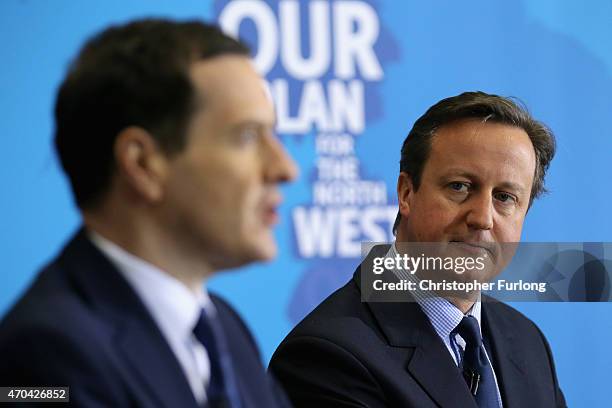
(221, 391)
(477, 371)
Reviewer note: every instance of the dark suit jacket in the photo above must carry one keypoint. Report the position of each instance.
(352, 354)
(81, 325)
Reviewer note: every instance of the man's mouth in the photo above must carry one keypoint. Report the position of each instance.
(477, 248)
(270, 216)
(270, 210)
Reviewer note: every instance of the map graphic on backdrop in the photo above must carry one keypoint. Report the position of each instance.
(323, 61)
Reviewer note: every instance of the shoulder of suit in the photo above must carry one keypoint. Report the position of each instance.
(339, 317)
(53, 308)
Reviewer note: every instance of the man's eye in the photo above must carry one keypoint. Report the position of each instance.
(248, 135)
(458, 186)
(505, 197)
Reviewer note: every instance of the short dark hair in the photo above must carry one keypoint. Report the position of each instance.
(488, 108)
(135, 74)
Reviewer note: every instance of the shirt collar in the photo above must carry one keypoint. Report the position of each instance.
(443, 315)
(174, 307)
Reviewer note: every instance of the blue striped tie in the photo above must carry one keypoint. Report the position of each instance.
(477, 371)
(221, 391)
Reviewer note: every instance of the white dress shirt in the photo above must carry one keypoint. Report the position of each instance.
(444, 317)
(173, 306)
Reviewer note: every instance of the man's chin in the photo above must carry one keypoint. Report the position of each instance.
(264, 249)
(267, 254)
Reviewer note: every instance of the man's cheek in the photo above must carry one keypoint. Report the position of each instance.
(439, 211)
(513, 233)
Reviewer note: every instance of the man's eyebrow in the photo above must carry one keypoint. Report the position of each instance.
(253, 124)
(509, 185)
(458, 173)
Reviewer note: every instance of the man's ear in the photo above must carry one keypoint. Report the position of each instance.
(405, 190)
(140, 163)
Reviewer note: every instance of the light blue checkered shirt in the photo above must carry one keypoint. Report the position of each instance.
(444, 316)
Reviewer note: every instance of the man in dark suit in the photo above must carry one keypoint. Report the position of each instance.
(165, 131)
(470, 169)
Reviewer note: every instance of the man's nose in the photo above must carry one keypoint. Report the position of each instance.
(279, 166)
(480, 212)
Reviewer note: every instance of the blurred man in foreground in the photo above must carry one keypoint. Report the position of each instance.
(469, 171)
(165, 131)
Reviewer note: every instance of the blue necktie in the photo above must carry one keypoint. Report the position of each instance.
(477, 371)
(221, 391)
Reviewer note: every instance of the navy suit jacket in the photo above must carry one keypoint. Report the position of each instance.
(81, 325)
(348, 353)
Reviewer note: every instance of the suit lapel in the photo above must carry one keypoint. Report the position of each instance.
(249, 374)
(406, 326)
(136, 335)
(154, 363)
(507, 362)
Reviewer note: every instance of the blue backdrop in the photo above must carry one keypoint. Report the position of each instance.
(349, 79)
